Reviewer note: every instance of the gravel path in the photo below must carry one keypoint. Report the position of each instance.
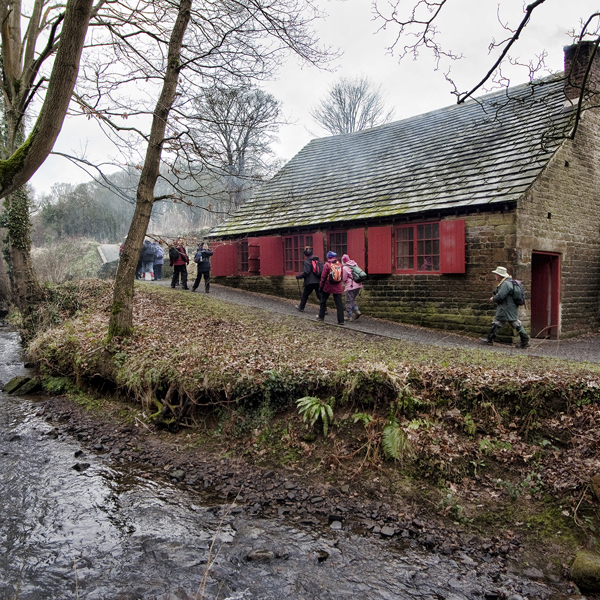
(584, 348)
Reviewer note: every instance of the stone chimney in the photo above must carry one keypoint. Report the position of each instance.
(577, 59)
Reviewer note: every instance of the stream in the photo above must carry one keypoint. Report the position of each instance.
(73, 526)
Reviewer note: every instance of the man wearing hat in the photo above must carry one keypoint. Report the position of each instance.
(507, 310)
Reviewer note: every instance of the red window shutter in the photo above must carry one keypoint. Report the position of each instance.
(271, 255)
(224, 261)
(452, 246)
(380, 251)
(356, 246)
(253, 256)
(318, 244)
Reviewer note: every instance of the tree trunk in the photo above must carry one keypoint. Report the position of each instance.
(29, 156)
(26, 291)
(121, 319)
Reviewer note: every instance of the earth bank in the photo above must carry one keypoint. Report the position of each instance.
(490, 457)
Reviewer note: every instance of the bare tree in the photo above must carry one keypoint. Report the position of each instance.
(49, 32)
(228, 40)
(416, 27)
(235, 126)
(352, 105)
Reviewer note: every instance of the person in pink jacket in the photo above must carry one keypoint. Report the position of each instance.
(351, 287)
(331, 287)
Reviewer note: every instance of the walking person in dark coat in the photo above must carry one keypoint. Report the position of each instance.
(507, 311)
(329, 287)
(159, 260)
(180, 266)
(148, 256)
(202, 258)
(312, 277)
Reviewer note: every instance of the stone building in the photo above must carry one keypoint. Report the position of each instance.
(430, 205)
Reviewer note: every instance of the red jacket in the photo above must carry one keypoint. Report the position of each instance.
(326, 285)
(183, 257)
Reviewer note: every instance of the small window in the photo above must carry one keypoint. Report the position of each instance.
(418, 248)
(294, 251)
(338, 242)
(243, 250)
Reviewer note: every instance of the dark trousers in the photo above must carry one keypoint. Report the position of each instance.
(307, 291)
(339, 305)
(177, 270)
(206, 280)
(157, 271)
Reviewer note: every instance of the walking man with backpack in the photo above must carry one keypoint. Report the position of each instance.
(508, 296)
(202, 259)
(311, 273)
(331, 283)
(352, 277)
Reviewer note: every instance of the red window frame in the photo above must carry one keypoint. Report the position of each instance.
(294, 246)
(417, 248)
(243, 256)
(337, 241)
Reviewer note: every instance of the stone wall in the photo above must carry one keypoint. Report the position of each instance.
(451, 302)
(561, 214)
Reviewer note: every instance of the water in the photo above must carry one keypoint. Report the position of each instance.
(103, 533)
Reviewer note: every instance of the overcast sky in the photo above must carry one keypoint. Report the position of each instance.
(411, 87)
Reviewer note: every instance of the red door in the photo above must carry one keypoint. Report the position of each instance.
(545, 294)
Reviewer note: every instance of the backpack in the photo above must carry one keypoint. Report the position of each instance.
(198, 256)
(335, 274)
(358, 275)
(173, 253)
(518, 293)
(317, 267)
(159, 252)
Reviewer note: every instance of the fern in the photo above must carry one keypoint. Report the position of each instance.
(312, 409)
(364, 418)
(394, 440)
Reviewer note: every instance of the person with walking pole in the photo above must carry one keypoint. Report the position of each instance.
(311, 273)
(507, 309)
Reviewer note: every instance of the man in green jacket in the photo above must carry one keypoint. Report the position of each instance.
(507, 311)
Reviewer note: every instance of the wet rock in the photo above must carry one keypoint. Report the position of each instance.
(316, 499)
(585, 571)
(33, 386)
(260, 555)
(79, 467)
(178, 475)
(15, 383)
(14, 438)
(533, 573)
(388, 531)
(78, 453)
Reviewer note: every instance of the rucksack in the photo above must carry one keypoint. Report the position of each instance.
(358, 275)
(335, 274)
(518, 293)
(317, 267)
(198, 256)
(173, 253)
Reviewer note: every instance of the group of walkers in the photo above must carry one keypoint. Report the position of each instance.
(152, 259)
(332, 279)
(179, 261)
(335, 277)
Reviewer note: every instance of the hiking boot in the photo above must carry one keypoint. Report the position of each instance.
(342, 323)
(486, 341)
(524, 337)
(298, 308)
(322, 319)
(357, 313)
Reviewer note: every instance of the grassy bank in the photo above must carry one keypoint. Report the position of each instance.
(485, 440)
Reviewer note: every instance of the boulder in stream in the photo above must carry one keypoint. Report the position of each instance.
(585, 571)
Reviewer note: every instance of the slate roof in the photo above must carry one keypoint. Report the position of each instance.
(486, 151)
